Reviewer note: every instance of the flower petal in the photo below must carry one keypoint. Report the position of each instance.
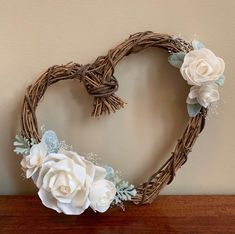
(194, 90)
(40, 148)
(69, 209)
(100, 173)
(48, 200)
(80, 198)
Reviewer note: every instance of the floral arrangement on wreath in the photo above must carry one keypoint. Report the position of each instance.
(203, 71)
(69, 182)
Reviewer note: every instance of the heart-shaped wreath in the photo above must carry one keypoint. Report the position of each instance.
(69, 182)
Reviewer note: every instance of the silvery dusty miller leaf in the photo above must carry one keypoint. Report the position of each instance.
(124, 191)
(176, 59)
(22, 145)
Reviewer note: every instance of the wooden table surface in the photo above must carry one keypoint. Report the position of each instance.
(168, 214)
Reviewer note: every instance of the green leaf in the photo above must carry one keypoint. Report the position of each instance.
(220, 81)
(116, 180)
(176, 59)
(193, 109)
(22, 144)
(124, 191)
(197, 45)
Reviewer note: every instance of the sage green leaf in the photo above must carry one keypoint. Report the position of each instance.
(22, 145)
(193, 109)
(124, 191)
(176, 59)
(220, 81)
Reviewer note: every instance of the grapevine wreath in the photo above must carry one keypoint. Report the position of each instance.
(69, 182)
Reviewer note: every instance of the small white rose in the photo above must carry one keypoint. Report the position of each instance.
(34, 160)
(201, 66)
(204, 95)
(65, 180)
(101, 195)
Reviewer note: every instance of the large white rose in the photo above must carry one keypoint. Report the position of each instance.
(102, 194)
(204, 95)
(34, 160)
(64, 182)
(201, 66)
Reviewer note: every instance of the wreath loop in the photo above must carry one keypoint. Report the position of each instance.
(100, 82)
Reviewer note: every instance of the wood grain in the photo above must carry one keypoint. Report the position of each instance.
(168, 214)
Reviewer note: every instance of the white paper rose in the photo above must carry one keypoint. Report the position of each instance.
(201, 66)
(34, 160)
(65, 180)
(101, 195)
(204, 95)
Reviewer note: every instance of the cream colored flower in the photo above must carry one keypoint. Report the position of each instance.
(204, 95)
(34, 160)
(65, 180)
(201, 66)
(101, 195)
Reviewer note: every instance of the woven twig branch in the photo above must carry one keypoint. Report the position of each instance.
(101, 84)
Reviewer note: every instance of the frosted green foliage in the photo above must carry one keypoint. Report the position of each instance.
(125, 191)
(22, 144)
(51, 140)
(176, 59)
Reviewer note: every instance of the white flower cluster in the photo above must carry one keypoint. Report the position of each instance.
(67, 182)
(203, 70)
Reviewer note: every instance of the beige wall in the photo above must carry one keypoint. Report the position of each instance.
(37, 34)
